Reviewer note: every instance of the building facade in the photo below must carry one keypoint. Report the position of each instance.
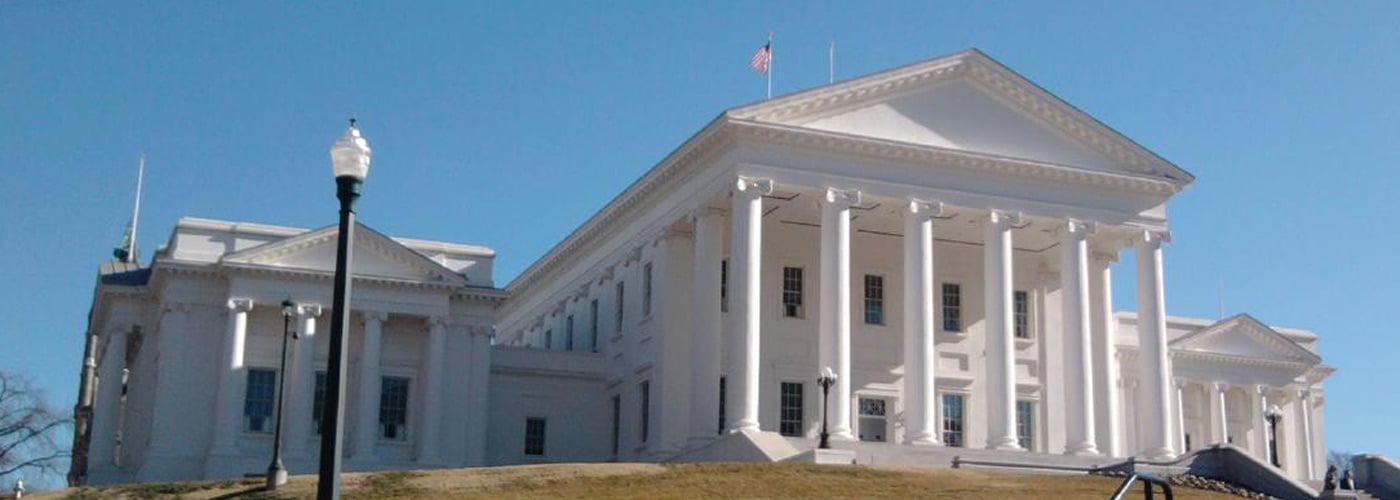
(941, 235)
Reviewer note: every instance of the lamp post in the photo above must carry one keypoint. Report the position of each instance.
(826, 379)
(276, 473)
(1272, 415)
(350, 158)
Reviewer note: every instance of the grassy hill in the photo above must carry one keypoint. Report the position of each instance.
(654, 481)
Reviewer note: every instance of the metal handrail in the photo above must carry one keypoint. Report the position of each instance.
(1149, 480)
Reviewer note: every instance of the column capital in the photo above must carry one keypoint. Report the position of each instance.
(1104, 257)
(1181, 383)
(308, 310)
(1305, 394)
(1152, 239)
(1075, 229)
(1003, 219)
(753, 187)
(436, 321)
(841, 198)
(375, 316)
(1261, 390)
(240, 304)
(924, 209)
(706, 211)
(1221, 386)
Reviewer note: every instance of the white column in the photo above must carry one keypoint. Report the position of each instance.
(1154, 436)
(1261, 432)
(227, 419)
(107, 410)
(1305, 416)
(1001, 359)
(481, 340)
(1222, 397)
(920, 358)
(705, 340)
(1181, 414)
(1106, 357)
(367, 395)
(432, 390)
(746, 257)
(835, 323)
(302, 383)
(1079, 376)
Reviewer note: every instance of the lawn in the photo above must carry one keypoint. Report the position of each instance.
(654, 481)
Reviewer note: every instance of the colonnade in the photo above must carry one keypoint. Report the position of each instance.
(301, 385)
(746, 236)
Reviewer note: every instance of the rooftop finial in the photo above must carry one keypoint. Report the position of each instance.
(352, 121)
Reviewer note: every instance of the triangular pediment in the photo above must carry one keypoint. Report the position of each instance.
(965, 102)
(376, 256)
(1246, 337)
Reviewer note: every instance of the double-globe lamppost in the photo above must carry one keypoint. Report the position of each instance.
(276, 473)
(350, 157)
(826, 379)
(1273, 414)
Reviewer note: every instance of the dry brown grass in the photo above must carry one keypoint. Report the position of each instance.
(654, 481)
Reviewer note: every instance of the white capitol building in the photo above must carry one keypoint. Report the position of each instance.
(940, 235)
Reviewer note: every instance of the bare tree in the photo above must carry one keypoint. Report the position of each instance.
(1340, 459)
(28, 429)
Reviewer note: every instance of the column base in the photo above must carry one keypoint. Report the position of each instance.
(923, 440)
(1083, 450)
(1004, 444)
(842, 435)
(743, 426)
(1158, 454)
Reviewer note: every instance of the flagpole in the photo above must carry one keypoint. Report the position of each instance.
(136, 212)
(770, 65)
(831, 63)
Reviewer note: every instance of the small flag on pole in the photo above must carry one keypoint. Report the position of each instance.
(763, 58)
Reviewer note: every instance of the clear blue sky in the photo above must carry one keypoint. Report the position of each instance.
(507, 125)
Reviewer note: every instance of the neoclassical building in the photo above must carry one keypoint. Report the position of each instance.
(941, 235)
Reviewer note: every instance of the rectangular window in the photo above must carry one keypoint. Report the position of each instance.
(593, 325)
(534, 436)
(952, 307)
(569, 333)
(1021, 304)
(1025, 424)
(549, 339)
(318, 403)
(792, 292)
(645, 389)
(724, 285)
(257, 400)
(874, 299)
(621, 302)
(722, 381)
(790, 409)
(646, 290)
(616, 424)
(953, 420)
(393, 408)
(873, 425)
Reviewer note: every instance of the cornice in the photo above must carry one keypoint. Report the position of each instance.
(318, 275)
(790, 135)
(1131, 354)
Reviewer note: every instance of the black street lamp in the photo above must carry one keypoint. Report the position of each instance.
(1272, 415)
(276, 473)
(826, 379)
(350, 158)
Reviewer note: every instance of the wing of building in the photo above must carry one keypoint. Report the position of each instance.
(940, 235)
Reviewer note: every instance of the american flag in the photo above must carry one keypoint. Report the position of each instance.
(762, 59)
